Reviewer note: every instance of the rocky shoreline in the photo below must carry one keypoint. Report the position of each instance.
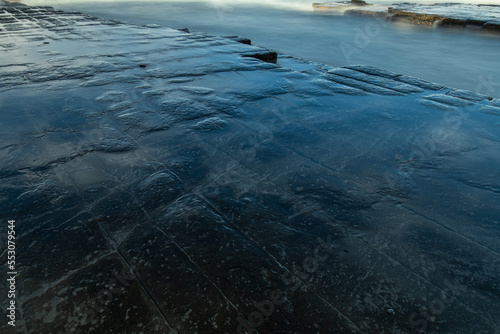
(168, 182)
(399, 14)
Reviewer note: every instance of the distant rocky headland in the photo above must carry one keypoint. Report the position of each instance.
(483, 18)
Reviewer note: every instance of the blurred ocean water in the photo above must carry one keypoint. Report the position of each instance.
(456, 58)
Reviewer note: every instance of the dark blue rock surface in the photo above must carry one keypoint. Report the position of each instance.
(163, 182)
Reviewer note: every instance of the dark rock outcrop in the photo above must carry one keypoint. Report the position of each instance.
(452, 23)
(360, 3)
(268, 57)
(241, 40)
(474, 24)
(491, 28)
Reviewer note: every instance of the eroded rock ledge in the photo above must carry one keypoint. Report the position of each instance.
(402, 15)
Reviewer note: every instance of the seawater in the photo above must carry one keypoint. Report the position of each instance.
(460, 59)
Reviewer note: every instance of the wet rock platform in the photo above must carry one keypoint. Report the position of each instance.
(168, 182)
